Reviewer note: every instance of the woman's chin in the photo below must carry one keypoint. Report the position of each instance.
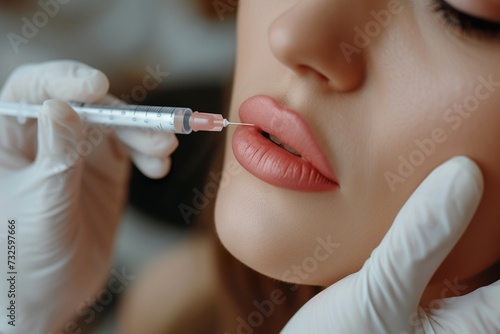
(280, 246)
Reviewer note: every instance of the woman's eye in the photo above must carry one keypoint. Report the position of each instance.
(466, 24)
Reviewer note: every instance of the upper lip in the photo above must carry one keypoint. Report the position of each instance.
(289, 127)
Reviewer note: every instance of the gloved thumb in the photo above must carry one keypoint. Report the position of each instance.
(60, 130)
(424, 232)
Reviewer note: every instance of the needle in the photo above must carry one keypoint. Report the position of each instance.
(226, 123)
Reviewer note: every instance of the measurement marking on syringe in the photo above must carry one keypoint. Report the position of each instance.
(169, 119)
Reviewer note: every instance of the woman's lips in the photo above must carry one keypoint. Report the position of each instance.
(272, 163)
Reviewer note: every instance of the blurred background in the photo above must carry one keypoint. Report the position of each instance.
(192, 40)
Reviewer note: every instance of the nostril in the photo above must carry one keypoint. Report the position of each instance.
(307, 70)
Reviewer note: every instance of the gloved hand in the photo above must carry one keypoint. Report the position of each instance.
(383, 297)
(65, 189)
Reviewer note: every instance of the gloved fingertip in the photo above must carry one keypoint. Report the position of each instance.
(153, 168)
(74, 81)
(173, 144)
(59, 111)
(84, 71)
(59, 133)
(457, 180)
(157, 144)
(456, 188)
(471, 170)
(95, 84)
(148, 142)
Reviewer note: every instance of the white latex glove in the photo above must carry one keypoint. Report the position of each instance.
(67, 206)
(383, 297)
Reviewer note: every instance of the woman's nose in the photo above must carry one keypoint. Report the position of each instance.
(315, 38)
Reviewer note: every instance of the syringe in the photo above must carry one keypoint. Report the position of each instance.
(167, 119)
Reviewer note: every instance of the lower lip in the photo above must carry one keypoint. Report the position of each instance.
(274, 165)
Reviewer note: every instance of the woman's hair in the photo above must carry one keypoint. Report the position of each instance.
(209, 8)
(250, 293)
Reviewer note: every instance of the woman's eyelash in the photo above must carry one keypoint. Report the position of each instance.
(465, 23)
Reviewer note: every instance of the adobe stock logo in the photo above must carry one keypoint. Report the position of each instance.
(296, 274)
(372, 29)
(455, 117)
(201, 199)
(31, 28)
(88, 309)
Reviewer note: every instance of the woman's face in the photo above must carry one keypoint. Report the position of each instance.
(372, 95)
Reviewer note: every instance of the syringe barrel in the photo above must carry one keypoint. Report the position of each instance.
(167, 119)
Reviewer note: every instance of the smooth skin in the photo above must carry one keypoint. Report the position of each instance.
(370, 112)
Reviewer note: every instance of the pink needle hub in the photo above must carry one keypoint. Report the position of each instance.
(207, 122)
